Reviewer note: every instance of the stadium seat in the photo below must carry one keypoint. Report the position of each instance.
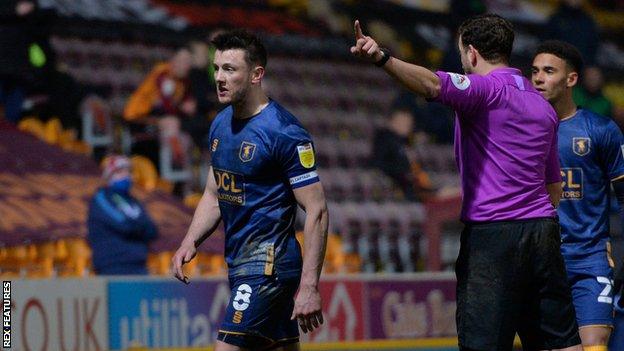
(212, 265)
(144, 172)
(192, 200)
(33, 126)
(159, 263)
(15, 261)
(52, 131)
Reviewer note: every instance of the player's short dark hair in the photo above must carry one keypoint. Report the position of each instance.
(565, 51)
(490, 34)
(242, 39)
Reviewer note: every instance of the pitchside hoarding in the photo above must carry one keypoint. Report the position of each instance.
(411, 309)
(59, 314)
(166, 313)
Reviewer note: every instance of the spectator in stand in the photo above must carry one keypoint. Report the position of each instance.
(165, 91)
(433, 121)
(202, 88)
(570, 23)
(162, 100)
(590, 95)
(15, 69)
(390, 155)
(460, 10)
(119, 227)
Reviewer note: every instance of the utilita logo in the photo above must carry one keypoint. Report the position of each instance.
(167, 322)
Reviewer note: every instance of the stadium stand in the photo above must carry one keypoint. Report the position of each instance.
(339, 101)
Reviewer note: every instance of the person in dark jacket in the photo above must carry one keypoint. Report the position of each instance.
(390, 155)
(15, 21)
(119, 226)
(572, 24)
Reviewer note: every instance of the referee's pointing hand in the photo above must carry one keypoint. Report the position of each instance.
(365, 46)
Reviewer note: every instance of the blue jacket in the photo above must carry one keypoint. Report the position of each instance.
(119, 231)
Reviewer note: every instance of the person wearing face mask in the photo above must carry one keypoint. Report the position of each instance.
(119, 227)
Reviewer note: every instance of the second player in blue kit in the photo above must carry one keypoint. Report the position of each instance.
(590, 152)
(263, 168)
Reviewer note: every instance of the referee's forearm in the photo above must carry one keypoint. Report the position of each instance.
(315, 242)
(416, 78)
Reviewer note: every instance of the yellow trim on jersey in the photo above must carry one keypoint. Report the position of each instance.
(598, 326)
(245, 334)
(268, 265)
(595, 348)
(617, 178)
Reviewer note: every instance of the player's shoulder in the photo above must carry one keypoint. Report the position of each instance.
(223, 115)
(283, 121)
(595, 121)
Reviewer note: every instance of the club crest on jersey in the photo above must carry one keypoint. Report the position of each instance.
(247, 151)
(581, 145)
(306, 155)
(460, 81)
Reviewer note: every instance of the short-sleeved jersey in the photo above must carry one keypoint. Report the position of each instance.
(257, 162)
(590, 151)
(505, 145)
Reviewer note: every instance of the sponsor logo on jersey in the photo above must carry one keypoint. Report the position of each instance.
(247, 151)
(238, 317)
(460, 81)
(243, 297)
(581, 145)
(215, 143)
(572, 183)
(306, 155)
(230, 186)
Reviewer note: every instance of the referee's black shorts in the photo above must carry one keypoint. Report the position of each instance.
(511, 279)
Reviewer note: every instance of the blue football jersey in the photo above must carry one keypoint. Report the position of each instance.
(590, 153)
(257, 162)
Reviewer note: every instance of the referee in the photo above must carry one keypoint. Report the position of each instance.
(510, 273)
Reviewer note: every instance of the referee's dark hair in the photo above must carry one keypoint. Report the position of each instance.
(565, 51)
(245, 40)
(490, 34)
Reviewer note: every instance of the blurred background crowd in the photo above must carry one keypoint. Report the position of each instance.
(96, 78)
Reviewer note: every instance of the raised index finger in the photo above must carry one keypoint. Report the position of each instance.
(358, 30)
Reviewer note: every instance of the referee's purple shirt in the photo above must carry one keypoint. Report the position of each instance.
(505, 145)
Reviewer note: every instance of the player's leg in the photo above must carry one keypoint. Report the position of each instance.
(223, 346)
(595, 338)
(548, 321)
(592, 292)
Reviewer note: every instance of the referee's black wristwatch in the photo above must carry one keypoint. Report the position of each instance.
(386, 56)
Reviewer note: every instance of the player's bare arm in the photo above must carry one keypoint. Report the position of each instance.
(416, 78)
(205, 220)
(308, 302)
(554, 193)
